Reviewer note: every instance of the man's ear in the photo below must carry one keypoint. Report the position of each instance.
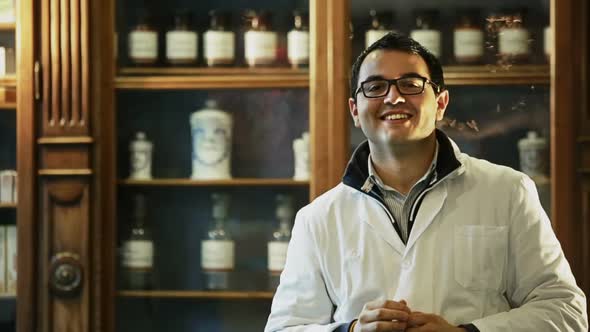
(442, 101)
(354, 112)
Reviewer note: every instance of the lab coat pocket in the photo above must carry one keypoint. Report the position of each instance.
(480, 256)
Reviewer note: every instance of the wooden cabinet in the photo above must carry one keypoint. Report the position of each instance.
(78, 106)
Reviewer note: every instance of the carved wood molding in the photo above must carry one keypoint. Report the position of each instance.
(66, 192)
(65, 67)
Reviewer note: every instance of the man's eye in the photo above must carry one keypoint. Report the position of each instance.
(375, 86)
(410, 83)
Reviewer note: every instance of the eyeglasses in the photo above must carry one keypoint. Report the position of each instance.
(409, 85)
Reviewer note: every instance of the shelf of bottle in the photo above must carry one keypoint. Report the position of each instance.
(497, 75)
(7, 26)
(8, 205)
(213, 183)
(230, 295)
(8, 81)
(211, 78)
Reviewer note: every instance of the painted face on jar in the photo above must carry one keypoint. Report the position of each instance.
(388, 116)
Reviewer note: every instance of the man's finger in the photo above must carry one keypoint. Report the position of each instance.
(386, 326)
(418, 319)
(383, 314)
(389, 304)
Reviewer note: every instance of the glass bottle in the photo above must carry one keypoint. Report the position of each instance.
(547, 43)
(182, 41)
(217, 249)
(143, 41)
(426, 31)
(513, 37)
(468, 37)
(279, 241)
(260, 41)
(138, 249)
(298, 40)
(381, 24)
(219, 41)
(141, 157)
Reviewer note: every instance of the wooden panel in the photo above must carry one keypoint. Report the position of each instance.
(7, 26)
(65, 67)
(64, 157)
(66, 202)
(197, 295)
(211, 82)
(213, 183)
(29, 283)
(330, 58)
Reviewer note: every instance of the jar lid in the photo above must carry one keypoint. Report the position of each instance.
(381, 20)
(532, 140)
(300, 19)
(220, 20)
(426, 18)
(258, 20)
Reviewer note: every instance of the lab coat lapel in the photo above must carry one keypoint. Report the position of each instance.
(380, 222)
(430, 207)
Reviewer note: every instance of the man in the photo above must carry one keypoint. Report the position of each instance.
(418, 236)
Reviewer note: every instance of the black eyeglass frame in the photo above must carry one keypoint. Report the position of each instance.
(394, 82)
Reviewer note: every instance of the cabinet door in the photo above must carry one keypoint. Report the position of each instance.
(157, 278)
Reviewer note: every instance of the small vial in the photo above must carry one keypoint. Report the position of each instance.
(182, 41)
(468, 37)
(426, 30)
(298, 40)
(143, 42)
(219, 41)
(260, 41)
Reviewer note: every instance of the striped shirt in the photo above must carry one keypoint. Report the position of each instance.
(398, 204)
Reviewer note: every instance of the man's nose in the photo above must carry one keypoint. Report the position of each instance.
(393, 96)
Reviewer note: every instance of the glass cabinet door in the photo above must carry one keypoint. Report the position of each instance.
(495, 62)
(211, 124)
(8, 176)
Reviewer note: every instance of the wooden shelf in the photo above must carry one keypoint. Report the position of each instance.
(7, 26)
(211, 78)
(230, 295)
(8, 205)
(8, 81)
(497, 75)
(7, 106)
(213, 183)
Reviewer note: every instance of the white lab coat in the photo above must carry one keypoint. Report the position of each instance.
(481, 251)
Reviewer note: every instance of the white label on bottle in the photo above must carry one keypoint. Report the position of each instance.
(7, 11)
(11, 259)
(181, 45)
(468, 43)
(138, 254)
(2, 259)
(298, 45)
(373, 35)
(219, 45)
(514, 41)
(277, 255)
(260, 45)
(430, 39)
(143, 45)
(547, 41)
(217, 254)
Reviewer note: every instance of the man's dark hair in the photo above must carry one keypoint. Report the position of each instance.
(399, 42)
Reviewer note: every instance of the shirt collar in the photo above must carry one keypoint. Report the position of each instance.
(429, 176)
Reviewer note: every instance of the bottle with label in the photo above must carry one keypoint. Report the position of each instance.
(217, 249)
(298, 40)
(468, 37)
(260, 41)
(381, 24)
(279, 241)
(141, 157)
(211, 130)
(182, 41)
(548, 43)
(138, 250)
(513, 37)
(426, 32)
(219, 41)
(143, 42)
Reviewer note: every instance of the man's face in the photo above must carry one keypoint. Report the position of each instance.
(395, 118)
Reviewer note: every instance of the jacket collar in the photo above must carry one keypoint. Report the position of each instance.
(357, 170)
